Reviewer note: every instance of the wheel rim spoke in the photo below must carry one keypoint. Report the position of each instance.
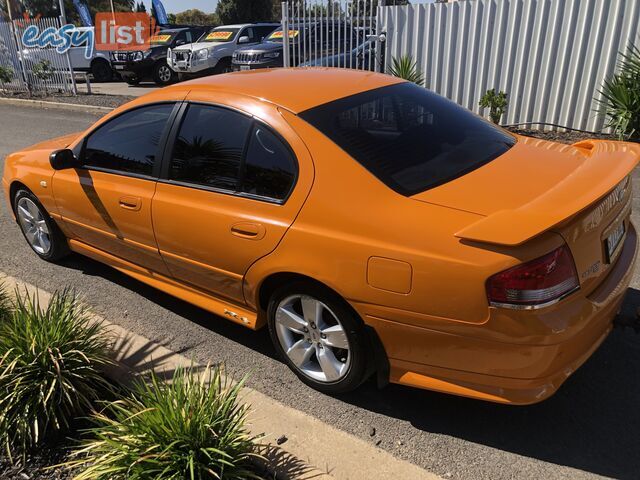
(312, 309)
(336, 337)
(33, 225)
(330, 365)
(300, 352)
(25, 213)
(290, 319)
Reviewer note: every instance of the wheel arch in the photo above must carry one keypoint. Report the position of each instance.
(378, 358)
(13, 189)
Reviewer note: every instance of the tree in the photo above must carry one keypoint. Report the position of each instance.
(242, 11)
(196, 17)
(140, 8)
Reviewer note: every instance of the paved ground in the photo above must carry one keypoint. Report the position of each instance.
(121, 88)
(589, 429)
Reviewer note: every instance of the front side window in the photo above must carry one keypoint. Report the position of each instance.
(130, 142)
(209, 147)
(409, 137)
(226, 150)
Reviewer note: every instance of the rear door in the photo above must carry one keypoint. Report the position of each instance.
(230, 188)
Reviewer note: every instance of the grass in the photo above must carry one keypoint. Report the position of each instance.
(192, 427)
(51, 362)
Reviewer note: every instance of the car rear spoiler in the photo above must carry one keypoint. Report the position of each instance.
(606, 164)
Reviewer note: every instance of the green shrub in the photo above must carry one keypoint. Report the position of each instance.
(497, 104)
(621, 102)
(404, 67)
(5, 303)
(191, 427)
(50, 369)
(6, 74)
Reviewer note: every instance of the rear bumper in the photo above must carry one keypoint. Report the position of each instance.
(521, 372)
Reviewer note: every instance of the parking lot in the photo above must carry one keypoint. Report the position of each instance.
(588, 430)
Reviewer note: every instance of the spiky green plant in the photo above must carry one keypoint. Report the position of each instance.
(6, 74)
(404, 67)
(496, 102)
(5, 303)
(51, 362)
(192, 427)
(621, 97)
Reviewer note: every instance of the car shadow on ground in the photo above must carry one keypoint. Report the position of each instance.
(592, 423)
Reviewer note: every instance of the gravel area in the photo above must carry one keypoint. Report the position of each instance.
(95, 100)
(37, 465)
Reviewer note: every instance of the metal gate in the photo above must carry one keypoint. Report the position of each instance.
(34, 69)
(332, 34)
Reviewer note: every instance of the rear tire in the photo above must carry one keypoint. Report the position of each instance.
(320, 338)
(40, 231)
(101, 71)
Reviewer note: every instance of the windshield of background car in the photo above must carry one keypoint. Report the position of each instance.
(408, 137)
(162, 38)
(218, 35)
(278, 35)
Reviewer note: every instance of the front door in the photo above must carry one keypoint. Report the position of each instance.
(107, 203)
(231, 189)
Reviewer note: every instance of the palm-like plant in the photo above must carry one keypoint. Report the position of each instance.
(189, 428)
(621, 97)
(406, 68)
(50, 369)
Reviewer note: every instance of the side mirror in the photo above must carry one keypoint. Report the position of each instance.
(243, 39)
(180, 42)
(63, 159)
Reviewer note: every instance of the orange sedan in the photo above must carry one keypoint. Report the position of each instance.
(374, 226)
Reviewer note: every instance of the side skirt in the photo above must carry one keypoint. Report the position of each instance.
(231, 311)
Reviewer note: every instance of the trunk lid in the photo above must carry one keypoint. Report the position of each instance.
(581, 191)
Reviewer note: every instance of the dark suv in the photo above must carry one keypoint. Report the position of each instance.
(152, 64)
(324, 38)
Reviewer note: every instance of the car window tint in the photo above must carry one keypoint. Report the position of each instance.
(129, 143)
(409, 137)
(263, 32)
(269, 166)
(209, 147)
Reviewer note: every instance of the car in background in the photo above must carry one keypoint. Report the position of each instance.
(363, 57)
(98, 64)
(324, 38)
(137, 66)
(211, 54)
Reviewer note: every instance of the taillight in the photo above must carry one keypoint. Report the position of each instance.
(535, 284)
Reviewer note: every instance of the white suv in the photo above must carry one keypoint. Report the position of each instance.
(212, 53)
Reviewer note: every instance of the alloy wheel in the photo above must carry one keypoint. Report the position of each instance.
(164, 73)
(313, 338)
(34, 225)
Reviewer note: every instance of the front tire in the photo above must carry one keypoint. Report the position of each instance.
(319, 337)
(101, 71)
(40, 231)
(163, 75)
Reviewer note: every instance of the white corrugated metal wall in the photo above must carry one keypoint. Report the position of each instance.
(550, 56)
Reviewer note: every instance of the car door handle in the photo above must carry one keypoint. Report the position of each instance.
(248, 230)
(131, 203)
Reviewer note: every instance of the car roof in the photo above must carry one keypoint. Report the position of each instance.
(240, 25)
(295, 89)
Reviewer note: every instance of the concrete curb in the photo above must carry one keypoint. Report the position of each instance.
(21, 102)
(313, 450)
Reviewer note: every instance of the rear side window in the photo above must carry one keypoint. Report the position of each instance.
(409, 137)
(209, 147)
(128, 143)
(227, 150)
(269, 167)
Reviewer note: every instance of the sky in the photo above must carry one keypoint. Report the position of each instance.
(208, 6)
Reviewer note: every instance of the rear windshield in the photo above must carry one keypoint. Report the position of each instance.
(409, 137)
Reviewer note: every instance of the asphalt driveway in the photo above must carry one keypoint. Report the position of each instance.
(589, 429)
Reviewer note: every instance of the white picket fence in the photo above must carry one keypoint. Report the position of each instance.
(550, 56)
